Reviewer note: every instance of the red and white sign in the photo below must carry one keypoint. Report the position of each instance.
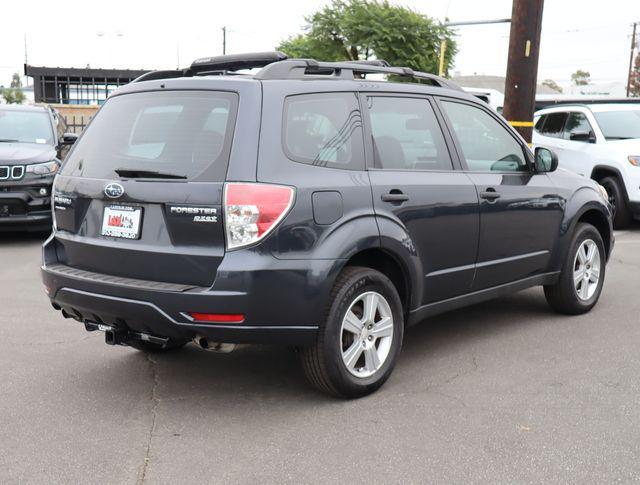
(122, 221)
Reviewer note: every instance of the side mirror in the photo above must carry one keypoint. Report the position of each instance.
(584, 136)
(68, 139)
(545, 160)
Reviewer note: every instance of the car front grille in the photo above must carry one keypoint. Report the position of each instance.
(11, 172)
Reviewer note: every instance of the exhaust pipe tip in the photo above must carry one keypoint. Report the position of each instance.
(220, 347)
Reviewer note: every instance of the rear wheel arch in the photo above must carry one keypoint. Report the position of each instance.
(390, 266)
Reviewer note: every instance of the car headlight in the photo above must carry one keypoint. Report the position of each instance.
(47, 168)
(603, 192)
(634, 160)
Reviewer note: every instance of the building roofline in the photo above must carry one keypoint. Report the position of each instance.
(75, 72)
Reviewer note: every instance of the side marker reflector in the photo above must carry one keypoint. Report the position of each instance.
(217, 317)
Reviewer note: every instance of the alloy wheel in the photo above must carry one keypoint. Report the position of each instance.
(586, 269)
(366, 334)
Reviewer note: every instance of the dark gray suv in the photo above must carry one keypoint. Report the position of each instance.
(309, 205)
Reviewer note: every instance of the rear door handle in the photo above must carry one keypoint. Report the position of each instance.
(394, 196)
(490, 194)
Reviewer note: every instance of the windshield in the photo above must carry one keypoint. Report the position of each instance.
(25, 127)
(619, 125)
(178, 134)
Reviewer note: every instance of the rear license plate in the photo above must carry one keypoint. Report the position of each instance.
(122, 221)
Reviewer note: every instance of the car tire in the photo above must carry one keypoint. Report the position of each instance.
(356, 350)
(581, 279)
(622, 215)
(156, 348)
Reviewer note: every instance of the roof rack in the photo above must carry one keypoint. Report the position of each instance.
(276, 65)
(217, 65)
(235, 62)
(298, 68)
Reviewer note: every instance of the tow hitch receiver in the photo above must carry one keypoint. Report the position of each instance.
(118, 336)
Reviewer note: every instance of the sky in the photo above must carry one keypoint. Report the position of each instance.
(592, 35)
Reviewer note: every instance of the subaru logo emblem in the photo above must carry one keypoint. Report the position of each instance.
(113, 191)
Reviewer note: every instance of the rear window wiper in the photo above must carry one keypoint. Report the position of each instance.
(146, 174)
(7, 140)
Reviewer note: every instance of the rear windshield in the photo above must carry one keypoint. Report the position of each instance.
(182, 133)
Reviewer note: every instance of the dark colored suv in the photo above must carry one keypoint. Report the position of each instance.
(31, 149)
(311, 206)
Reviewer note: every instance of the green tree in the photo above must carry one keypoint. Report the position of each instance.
(371, 29)
(581, 78)
(13, 96)
(551, 84)
(16, 82)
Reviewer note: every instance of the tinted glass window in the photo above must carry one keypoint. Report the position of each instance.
(619, 125)
(406, 135)
(554, 124)
(540, 123)
(324, 129)
(486, 144)
(26, 127)
(576, 123)
(181, 132)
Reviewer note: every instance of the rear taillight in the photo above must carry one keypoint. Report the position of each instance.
(253, 210)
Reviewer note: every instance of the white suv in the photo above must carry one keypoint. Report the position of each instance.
(600, 141)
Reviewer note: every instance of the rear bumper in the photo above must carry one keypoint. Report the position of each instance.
(283, 301)
(148, 318)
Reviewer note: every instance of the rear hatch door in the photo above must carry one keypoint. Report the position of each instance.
(140, 195)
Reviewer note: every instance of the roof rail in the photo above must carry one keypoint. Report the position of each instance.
(276, 65)
(371, 62)
(298, 68)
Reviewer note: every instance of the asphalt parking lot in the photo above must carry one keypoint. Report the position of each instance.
(505, 391)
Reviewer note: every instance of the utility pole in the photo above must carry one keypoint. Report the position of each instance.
(224, 40)
(522, 65)
(633, 48)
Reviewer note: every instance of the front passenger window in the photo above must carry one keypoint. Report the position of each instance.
(577, 124)
(486, 144)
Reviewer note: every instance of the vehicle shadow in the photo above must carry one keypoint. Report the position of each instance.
(270, 373)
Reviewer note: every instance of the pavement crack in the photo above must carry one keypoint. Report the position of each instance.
(154, 414)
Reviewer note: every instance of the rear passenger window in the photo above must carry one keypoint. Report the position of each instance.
(554, 125)
(406, 135)
(325, 130)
